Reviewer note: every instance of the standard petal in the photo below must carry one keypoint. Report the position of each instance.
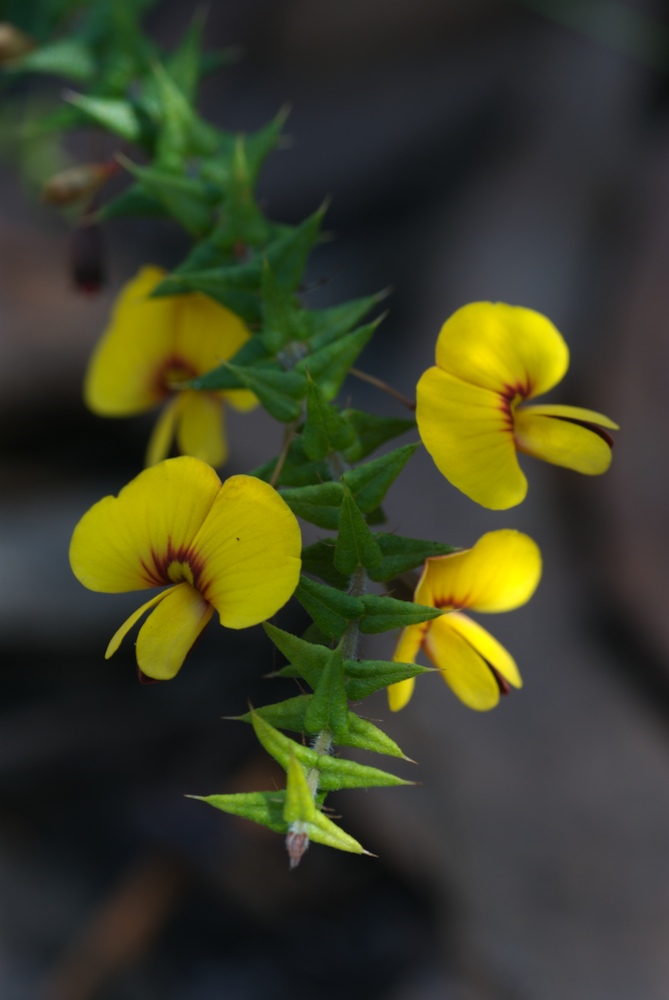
(499, 573)
(505, 348)
(125, 373)
(250, 548)
(163, 433)
(206, 332)
(487, 646)
(562, 442)
(463, 669)
(127, 542)
(166, 637)
(468, 431)
(400, 694)
(200, 428)
(120, 633)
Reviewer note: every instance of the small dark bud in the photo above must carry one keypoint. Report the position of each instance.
(76, 184)
(296, 844)
(14, 43)
(87, 258)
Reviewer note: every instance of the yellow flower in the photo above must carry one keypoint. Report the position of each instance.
(490, 358)
(149, 347)
(499, 573)
(231, 547)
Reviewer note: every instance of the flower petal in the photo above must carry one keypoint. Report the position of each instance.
(168, 634)
(163, 433)
(562, 442)
(499, 573)
(469, 434)
(240, 399)
(400, 694)
(120, 633)
(206, 333)
(576, 413)
(124, 543)
(463, 669)
(250, 548)
(505, 348)
(123, 375)
(200, 429)
(487, 646)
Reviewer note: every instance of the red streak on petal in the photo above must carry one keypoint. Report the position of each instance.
(158, 571)
(599, 431)
(502, 683)
(172, 369)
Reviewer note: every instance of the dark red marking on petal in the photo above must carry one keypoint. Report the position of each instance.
(158, 571)
(144, 678)
(502, 683)
(595, 428)
(172, 370)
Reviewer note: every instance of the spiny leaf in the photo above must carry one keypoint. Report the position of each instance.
(324, 429)
(355, 544)
(402, 554)
(317, 504)
(317, 559)
(265, 808)
(367, 676)
(328, 708)
(371, 432)
(384, 613)
(309, 658)
(334, 772)
(369, 483)
(330, 609)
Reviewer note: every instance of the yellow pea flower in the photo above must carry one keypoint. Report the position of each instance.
(490, 357)
(233, 547)
(148, 348)
(499, 573)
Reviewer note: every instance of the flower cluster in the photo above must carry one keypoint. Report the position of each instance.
(228, 326)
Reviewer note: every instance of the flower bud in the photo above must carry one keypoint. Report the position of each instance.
(13, 42)
(87, 258)
(76, 183)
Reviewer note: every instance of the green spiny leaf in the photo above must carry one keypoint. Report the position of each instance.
(355, 544)
(265, 808)
(334, 772)
(116, 116)
(329, 366)
(367, 676)
(328, 708)
(309, 658)
(365, 735)
(280, 312)
(67, 57)
(317, 504)
(384, 613)
(330, 608)
(371, 432)
(370, 482)
(279, 392)
(328, 325)
(402, 554)
(324, 429)
(318, 559)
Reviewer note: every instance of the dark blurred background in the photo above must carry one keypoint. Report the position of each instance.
(474, 150)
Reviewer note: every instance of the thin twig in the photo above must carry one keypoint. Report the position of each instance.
(287, 441)
(373, 380)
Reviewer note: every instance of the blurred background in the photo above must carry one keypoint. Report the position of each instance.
(474, 149)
